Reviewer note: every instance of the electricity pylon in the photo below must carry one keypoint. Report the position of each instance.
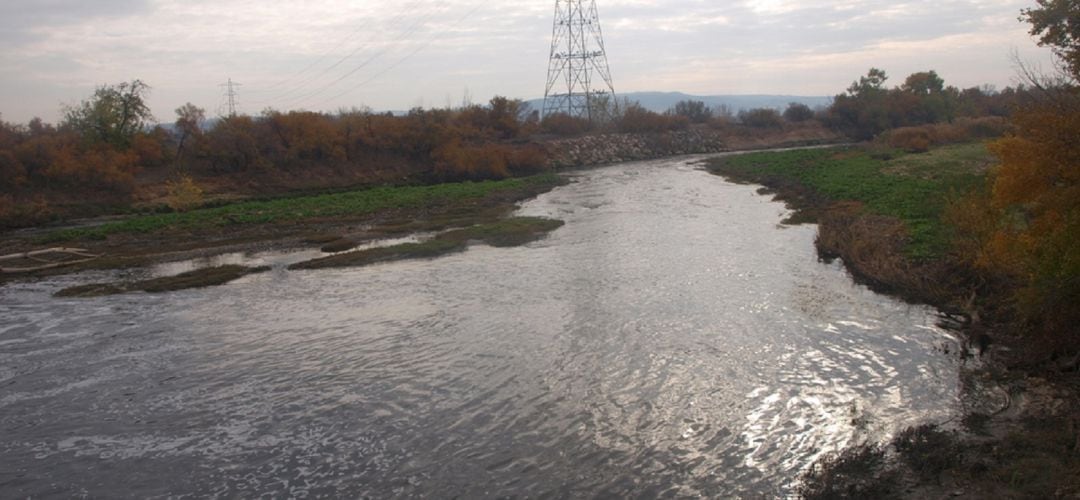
(231, 98)
(577, 56)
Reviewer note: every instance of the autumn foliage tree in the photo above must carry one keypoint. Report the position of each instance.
(1030, 220)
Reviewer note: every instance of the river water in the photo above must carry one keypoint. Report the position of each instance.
(671, 339)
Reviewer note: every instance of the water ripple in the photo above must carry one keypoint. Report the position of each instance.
(669, 340)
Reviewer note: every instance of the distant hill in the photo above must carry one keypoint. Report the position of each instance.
(663, 101)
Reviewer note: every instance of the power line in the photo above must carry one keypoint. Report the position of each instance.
(303, 82)
(401, 36)
(403, 59)
(304, 89)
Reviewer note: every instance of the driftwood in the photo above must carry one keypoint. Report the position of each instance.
(84, 256)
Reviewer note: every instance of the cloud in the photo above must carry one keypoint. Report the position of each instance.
(393, 55)
(20, 20)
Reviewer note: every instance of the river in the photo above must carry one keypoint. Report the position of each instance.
(673, 338)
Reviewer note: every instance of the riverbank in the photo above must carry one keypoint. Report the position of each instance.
(334, 222)
(341, 220)
(884, 214)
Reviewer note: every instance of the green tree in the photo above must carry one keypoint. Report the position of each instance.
(113, 115)
(871, 84)
(1057, 25)
(923, 83)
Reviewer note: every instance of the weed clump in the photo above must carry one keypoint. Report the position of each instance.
(857, 472)
(927, 450)
(339, 245)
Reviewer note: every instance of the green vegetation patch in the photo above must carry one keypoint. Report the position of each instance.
(426, 250)
(348, 204)
(513, 231)
(509, 232)
(211, 276)
(914, 188)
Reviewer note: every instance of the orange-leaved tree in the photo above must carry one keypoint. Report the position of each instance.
(1036, 194)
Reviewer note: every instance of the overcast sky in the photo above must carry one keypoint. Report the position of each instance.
(328, 54)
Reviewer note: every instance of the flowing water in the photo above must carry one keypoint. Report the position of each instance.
(671, 339)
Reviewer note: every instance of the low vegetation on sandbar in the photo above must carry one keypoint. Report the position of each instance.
(199, 278)
(509, 232)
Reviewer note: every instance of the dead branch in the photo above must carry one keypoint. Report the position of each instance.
(30, 255)
(85, 255)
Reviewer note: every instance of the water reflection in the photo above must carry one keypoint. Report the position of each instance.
(668, 340)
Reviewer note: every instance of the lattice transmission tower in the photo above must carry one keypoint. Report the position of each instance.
(231, 99)
(579, 80)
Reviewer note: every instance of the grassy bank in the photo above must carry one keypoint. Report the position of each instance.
(327, 206)
(882, 211)
(912, 188)
(886, 214)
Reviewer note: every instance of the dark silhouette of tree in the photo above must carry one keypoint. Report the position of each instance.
(189, 120)
(695, 111)
(1057, 25)
(798, 112)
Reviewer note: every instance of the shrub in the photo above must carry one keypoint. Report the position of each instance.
(637, 119)
(695, 111)
(910, 139)
(527, 160)
(562, 124)
(761, 118)
(797, 112)
(857, 472)
(184, 194)
(927, 450)
(14, 214)
(919, 139)
(12, 172)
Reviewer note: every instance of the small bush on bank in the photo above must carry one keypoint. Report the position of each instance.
(857, 472)
(184, 194)
(928, 450)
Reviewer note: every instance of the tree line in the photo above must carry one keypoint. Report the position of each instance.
(108, 151)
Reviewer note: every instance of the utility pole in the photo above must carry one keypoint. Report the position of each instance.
(577, 53)
(231, 98)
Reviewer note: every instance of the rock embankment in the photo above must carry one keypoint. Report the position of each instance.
(613, 148)
(600, 149)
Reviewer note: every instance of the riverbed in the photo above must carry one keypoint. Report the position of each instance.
(672, 338)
